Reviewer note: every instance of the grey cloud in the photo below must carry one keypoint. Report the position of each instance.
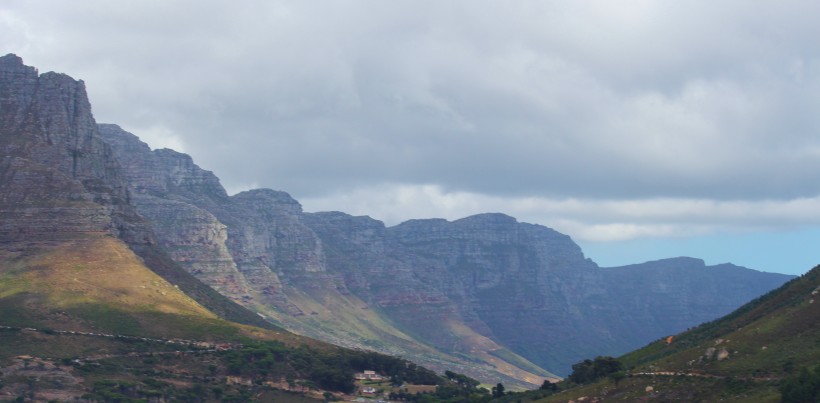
(594, 99)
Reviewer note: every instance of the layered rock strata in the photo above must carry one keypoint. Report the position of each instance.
(485, 286)
(59, 181)
(452, 285)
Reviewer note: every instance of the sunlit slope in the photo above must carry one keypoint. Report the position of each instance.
(348, 321)
(96, 283)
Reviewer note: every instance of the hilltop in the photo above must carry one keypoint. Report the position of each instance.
(750, 355)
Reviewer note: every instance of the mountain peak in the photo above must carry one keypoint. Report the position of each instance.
(11, 60)
(14, 63)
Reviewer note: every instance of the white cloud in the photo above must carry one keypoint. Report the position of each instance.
(607, 120)
(583, 219)
(160, 137)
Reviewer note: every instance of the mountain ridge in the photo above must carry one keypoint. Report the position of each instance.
(333, 253)
(485, 295)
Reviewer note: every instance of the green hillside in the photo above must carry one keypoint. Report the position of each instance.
(85, 318)
(767, 345)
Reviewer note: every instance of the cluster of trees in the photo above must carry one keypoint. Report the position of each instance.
(458, 388)
(323, 369)
(148, 389)
(399, 370)
(588, 371)
(464, 381)
(329, 369)
(803, 387)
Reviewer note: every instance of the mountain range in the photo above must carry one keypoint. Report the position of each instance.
(485, 295)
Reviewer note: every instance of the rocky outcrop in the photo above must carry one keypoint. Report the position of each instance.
(166, 187)
(486, 287)
(59, 181)
(447, 284)
(525, 286)
(59, 178)
(239, 245)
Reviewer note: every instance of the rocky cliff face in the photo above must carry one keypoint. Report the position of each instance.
(525, 286)
(504, 293)
(485, 284)
(166, 188)
(59, 181)
(238, 245)
(259, 249)
(59, 178)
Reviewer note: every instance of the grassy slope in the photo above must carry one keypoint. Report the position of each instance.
(96, 283)
(344, 317)
(766, 340)
(163, 265)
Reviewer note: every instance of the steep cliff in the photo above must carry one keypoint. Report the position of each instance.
(191, 235)
(61, 184)
(258, 249)
(238, 245)
(527, 287)
(484, 295)
(60, 179)
(505, 293)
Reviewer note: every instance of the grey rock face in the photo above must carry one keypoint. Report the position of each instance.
(238, 245)
(525, 287)
(60, 181)
(167, 190)
(59, 178)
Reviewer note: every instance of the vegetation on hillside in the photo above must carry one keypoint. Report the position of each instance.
(765, 351)
(802, 387)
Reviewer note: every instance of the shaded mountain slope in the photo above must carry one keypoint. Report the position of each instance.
(679, 292)
(527, 287)
(485, 295)
(257, 248)
(745, 356)
(93, 308)
(505, 293)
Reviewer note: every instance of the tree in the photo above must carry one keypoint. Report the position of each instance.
(547, 385)
(804, 387)
(498, 390)
(617, 377)
(588, 370)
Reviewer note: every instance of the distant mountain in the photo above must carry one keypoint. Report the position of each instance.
(258, 248)
(524, 286)
(509, 295)
(92, 308)
(765, 347)
(486, 295)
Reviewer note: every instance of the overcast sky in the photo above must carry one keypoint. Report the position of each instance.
(643, 129)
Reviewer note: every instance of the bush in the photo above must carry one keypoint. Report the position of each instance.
(588, 371)
(804, 387)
